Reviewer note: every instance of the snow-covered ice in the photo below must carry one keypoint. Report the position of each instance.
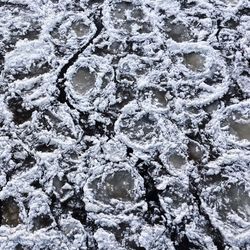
(124, 124)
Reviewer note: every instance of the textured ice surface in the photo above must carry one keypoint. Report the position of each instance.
(124, 124)
(80, 28)
(194, 61)
(226, 195)
(115, 186)
(177, 160)
(142, 129)
(83, 80)
(240, 127)
(178, 31)
(10, 212)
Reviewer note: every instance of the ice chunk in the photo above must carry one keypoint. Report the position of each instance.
(212, 107)
(225, 195)
(120, 10)
(235, 199)
(10, 212)
(178, 32)
(195, 151)
(130, 18)
(194, 61)
(28, 60)
(41, 221)
(80, 29)
(141, 129)
(20, 113)
(118, 185)
(177, 160)
(240, 128)
(83, 80)
(155, 96)
(231, 2)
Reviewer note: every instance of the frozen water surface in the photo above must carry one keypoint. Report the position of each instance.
(144, 128)
(83, 80)
(118, 185)
(129, 17)
(154, 96)
(120, 9)
(80, 28)
(41, 221)
(177, 160)
(194, 61)
(195, 151)
(227, 194)
(10, 212)
(241, 128)
(231, 2)
(178, 31)
(124, 125)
